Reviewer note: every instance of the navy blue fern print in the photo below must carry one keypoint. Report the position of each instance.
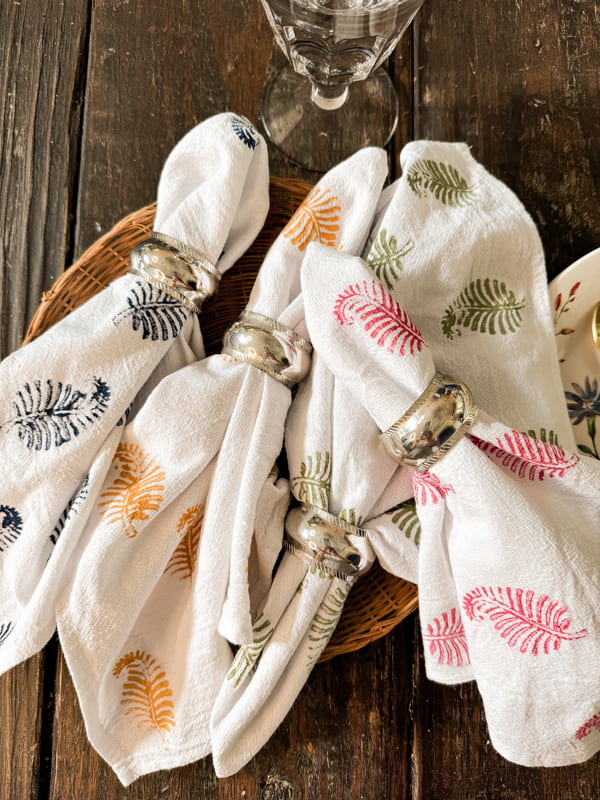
(5, 630)
(72, 507)
(245, 132)
(50, 413)
(11, 525)
(153, 312)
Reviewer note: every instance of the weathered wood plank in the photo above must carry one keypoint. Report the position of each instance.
(42, 58)
(519, 82)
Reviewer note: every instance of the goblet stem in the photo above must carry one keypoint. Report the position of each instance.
(328, 98)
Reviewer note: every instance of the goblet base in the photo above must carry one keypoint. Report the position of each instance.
(317, 138)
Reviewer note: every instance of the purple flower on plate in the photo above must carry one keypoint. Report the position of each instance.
(584, 401)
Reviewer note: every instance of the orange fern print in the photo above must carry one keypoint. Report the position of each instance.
(136, 492)
(183, 561)
(146, 692)
(315, 220)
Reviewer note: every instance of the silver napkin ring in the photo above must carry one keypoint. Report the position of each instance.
(434, 423)
(320, 540)
(177, 269)
(269, 346)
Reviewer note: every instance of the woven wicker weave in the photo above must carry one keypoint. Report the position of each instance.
(379, 601)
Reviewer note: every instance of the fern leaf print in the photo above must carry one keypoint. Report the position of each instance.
(592, 724)
(247, 656)
(71, 509)
(11, 526)
(136, 492)
(245, 132)
(428, 488)
(50, 413)
(146, 692)
(486, 305)
(445, 638)
(313, 484)
(325, 622)
(315, 220)
(153, 312)
(405, 516)
(350, 515)
(385, 257)
(427, 177)
(183, 561)
(533, 623)
(6, 629)
(528, 458)
(381, 317)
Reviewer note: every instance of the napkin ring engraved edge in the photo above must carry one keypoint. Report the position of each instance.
(179, 270)
(269, 346)
(435, 422)
(320, 540)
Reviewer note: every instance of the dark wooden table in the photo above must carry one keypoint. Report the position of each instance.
(93, 97)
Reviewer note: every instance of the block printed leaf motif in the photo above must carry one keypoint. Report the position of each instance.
(381, 316)
(445, 639)
(428, 488)
(313, 484)
(535, 624)
(526, 457)
(51, 413)
(315, 220)
(185, 556)
(146, 692)
(11, 526)
(71, 509)
(136, 492)
(486, 305)
(245, 132)
(153, 312)
(5, 631)
(350, 515)
(325, 621)
(592, 724)
(428, 177)
(385, 257)
(248, 655)
(405, 516)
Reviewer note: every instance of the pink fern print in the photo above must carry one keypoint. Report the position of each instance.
(446, 639)
(527, 457)
(428, 488)
(589, 726)
(535, 625)
(381, 316)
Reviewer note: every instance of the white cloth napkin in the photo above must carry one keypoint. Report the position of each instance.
(146, 598)
(509, 551)
(66, 394)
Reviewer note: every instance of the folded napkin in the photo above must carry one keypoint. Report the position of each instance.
(66, 394)
(139, 621)
(508, 561)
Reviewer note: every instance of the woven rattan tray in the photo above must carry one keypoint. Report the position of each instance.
(379, 601)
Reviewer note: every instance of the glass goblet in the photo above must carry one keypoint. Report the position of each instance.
(331, 96)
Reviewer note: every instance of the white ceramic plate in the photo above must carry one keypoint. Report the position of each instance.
(574, 294)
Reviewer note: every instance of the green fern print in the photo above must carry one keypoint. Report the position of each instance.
(550, 437)
(313, 484)
(325, 621)
(405, 517)
(385, 257)
(350, 515)
(486, 306)
(443, 181)
(248, 655)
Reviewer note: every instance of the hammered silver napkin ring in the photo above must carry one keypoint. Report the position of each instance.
(179, 270)
(434, 423)
(320, 539)
(269, 346)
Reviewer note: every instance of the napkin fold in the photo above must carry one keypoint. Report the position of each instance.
(190, 501)
(67, 394)
(509, 553)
